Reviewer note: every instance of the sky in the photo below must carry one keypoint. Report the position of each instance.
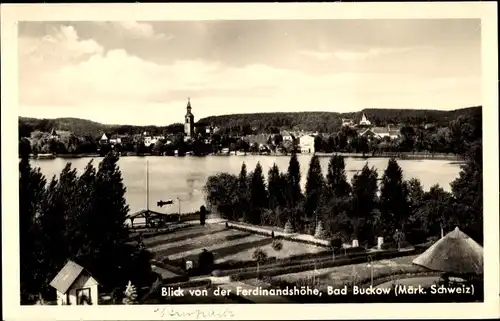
(142, 73)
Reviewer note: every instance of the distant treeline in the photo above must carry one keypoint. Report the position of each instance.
(453, 137)
(330, 122)
(241, 124)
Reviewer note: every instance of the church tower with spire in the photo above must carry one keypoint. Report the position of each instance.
(189, 121)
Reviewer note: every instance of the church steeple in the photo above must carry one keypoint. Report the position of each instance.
(189, 121)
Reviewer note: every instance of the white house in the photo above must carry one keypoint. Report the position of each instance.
(306, 143)
(364, 121)
(75, 286)
(347, 122)
(287, 136)
(104, 139)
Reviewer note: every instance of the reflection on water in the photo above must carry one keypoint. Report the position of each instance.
(183, 178)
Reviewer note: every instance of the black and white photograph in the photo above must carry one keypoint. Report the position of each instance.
(235, 161)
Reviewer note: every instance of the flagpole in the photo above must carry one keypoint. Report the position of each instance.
(147, 185)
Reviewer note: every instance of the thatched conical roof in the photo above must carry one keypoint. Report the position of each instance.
(454, 253)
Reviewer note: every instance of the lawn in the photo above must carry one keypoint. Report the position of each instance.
(204, 240)
(226, 244)
(357, 273)
(184, 233)
(289, 249)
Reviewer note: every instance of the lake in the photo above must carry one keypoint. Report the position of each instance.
(184, 177)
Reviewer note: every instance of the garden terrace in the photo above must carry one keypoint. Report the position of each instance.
(227, 245)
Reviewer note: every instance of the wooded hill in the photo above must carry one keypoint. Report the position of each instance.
(325, 122)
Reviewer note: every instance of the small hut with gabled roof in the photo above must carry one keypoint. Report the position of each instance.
(455, 253)
(75, 286)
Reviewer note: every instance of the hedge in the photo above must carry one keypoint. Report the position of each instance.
(150, 232)
(300, 258)
(270, 272)
(172, 268)
(283, 237)
(287, 263)
(191, 284)
(181, 237)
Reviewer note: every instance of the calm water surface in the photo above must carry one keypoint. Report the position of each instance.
(184, 177)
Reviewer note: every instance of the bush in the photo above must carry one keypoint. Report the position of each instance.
(389, 246)
(336, 243)
(320, 232)
(355, 250)
(172, 268)
(205, 261)
(217, 273)
(288, 227)
(277, 245)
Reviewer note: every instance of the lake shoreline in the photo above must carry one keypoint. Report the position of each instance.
(399, 156)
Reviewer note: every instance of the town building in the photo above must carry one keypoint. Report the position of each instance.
(306, 144)
(347, 122)
(189, 121)
(104, 139)
(287, 136)
(380, 132)
(75, 286)
(364, 121)
(58, 134)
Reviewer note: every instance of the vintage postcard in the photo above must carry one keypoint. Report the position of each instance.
(189, 161)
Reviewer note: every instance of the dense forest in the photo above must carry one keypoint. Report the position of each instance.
(330, 122)
(324, 122)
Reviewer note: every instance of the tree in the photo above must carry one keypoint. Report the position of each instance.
(415, 194)
(260, 257)
(467, 190)
(336, 179)
(57, 221)
(258, 195)
(244, 200)
(293, 190)
(203, 214)
(434, 211)
(363, 202)
(130, 294)
(314, 187)
(399, 238)
(222, 194)
(109, 253)
(31, 193)
(24, 146)
(393, 199)
(159, 146)
(276, 185)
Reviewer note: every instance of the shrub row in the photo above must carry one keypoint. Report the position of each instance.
(191, 284)
(299, 258)
(252, 265)
(270, 272)
(181, 238)
(176, 279)
(157, 231)
(269, 233)
(172, 268)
